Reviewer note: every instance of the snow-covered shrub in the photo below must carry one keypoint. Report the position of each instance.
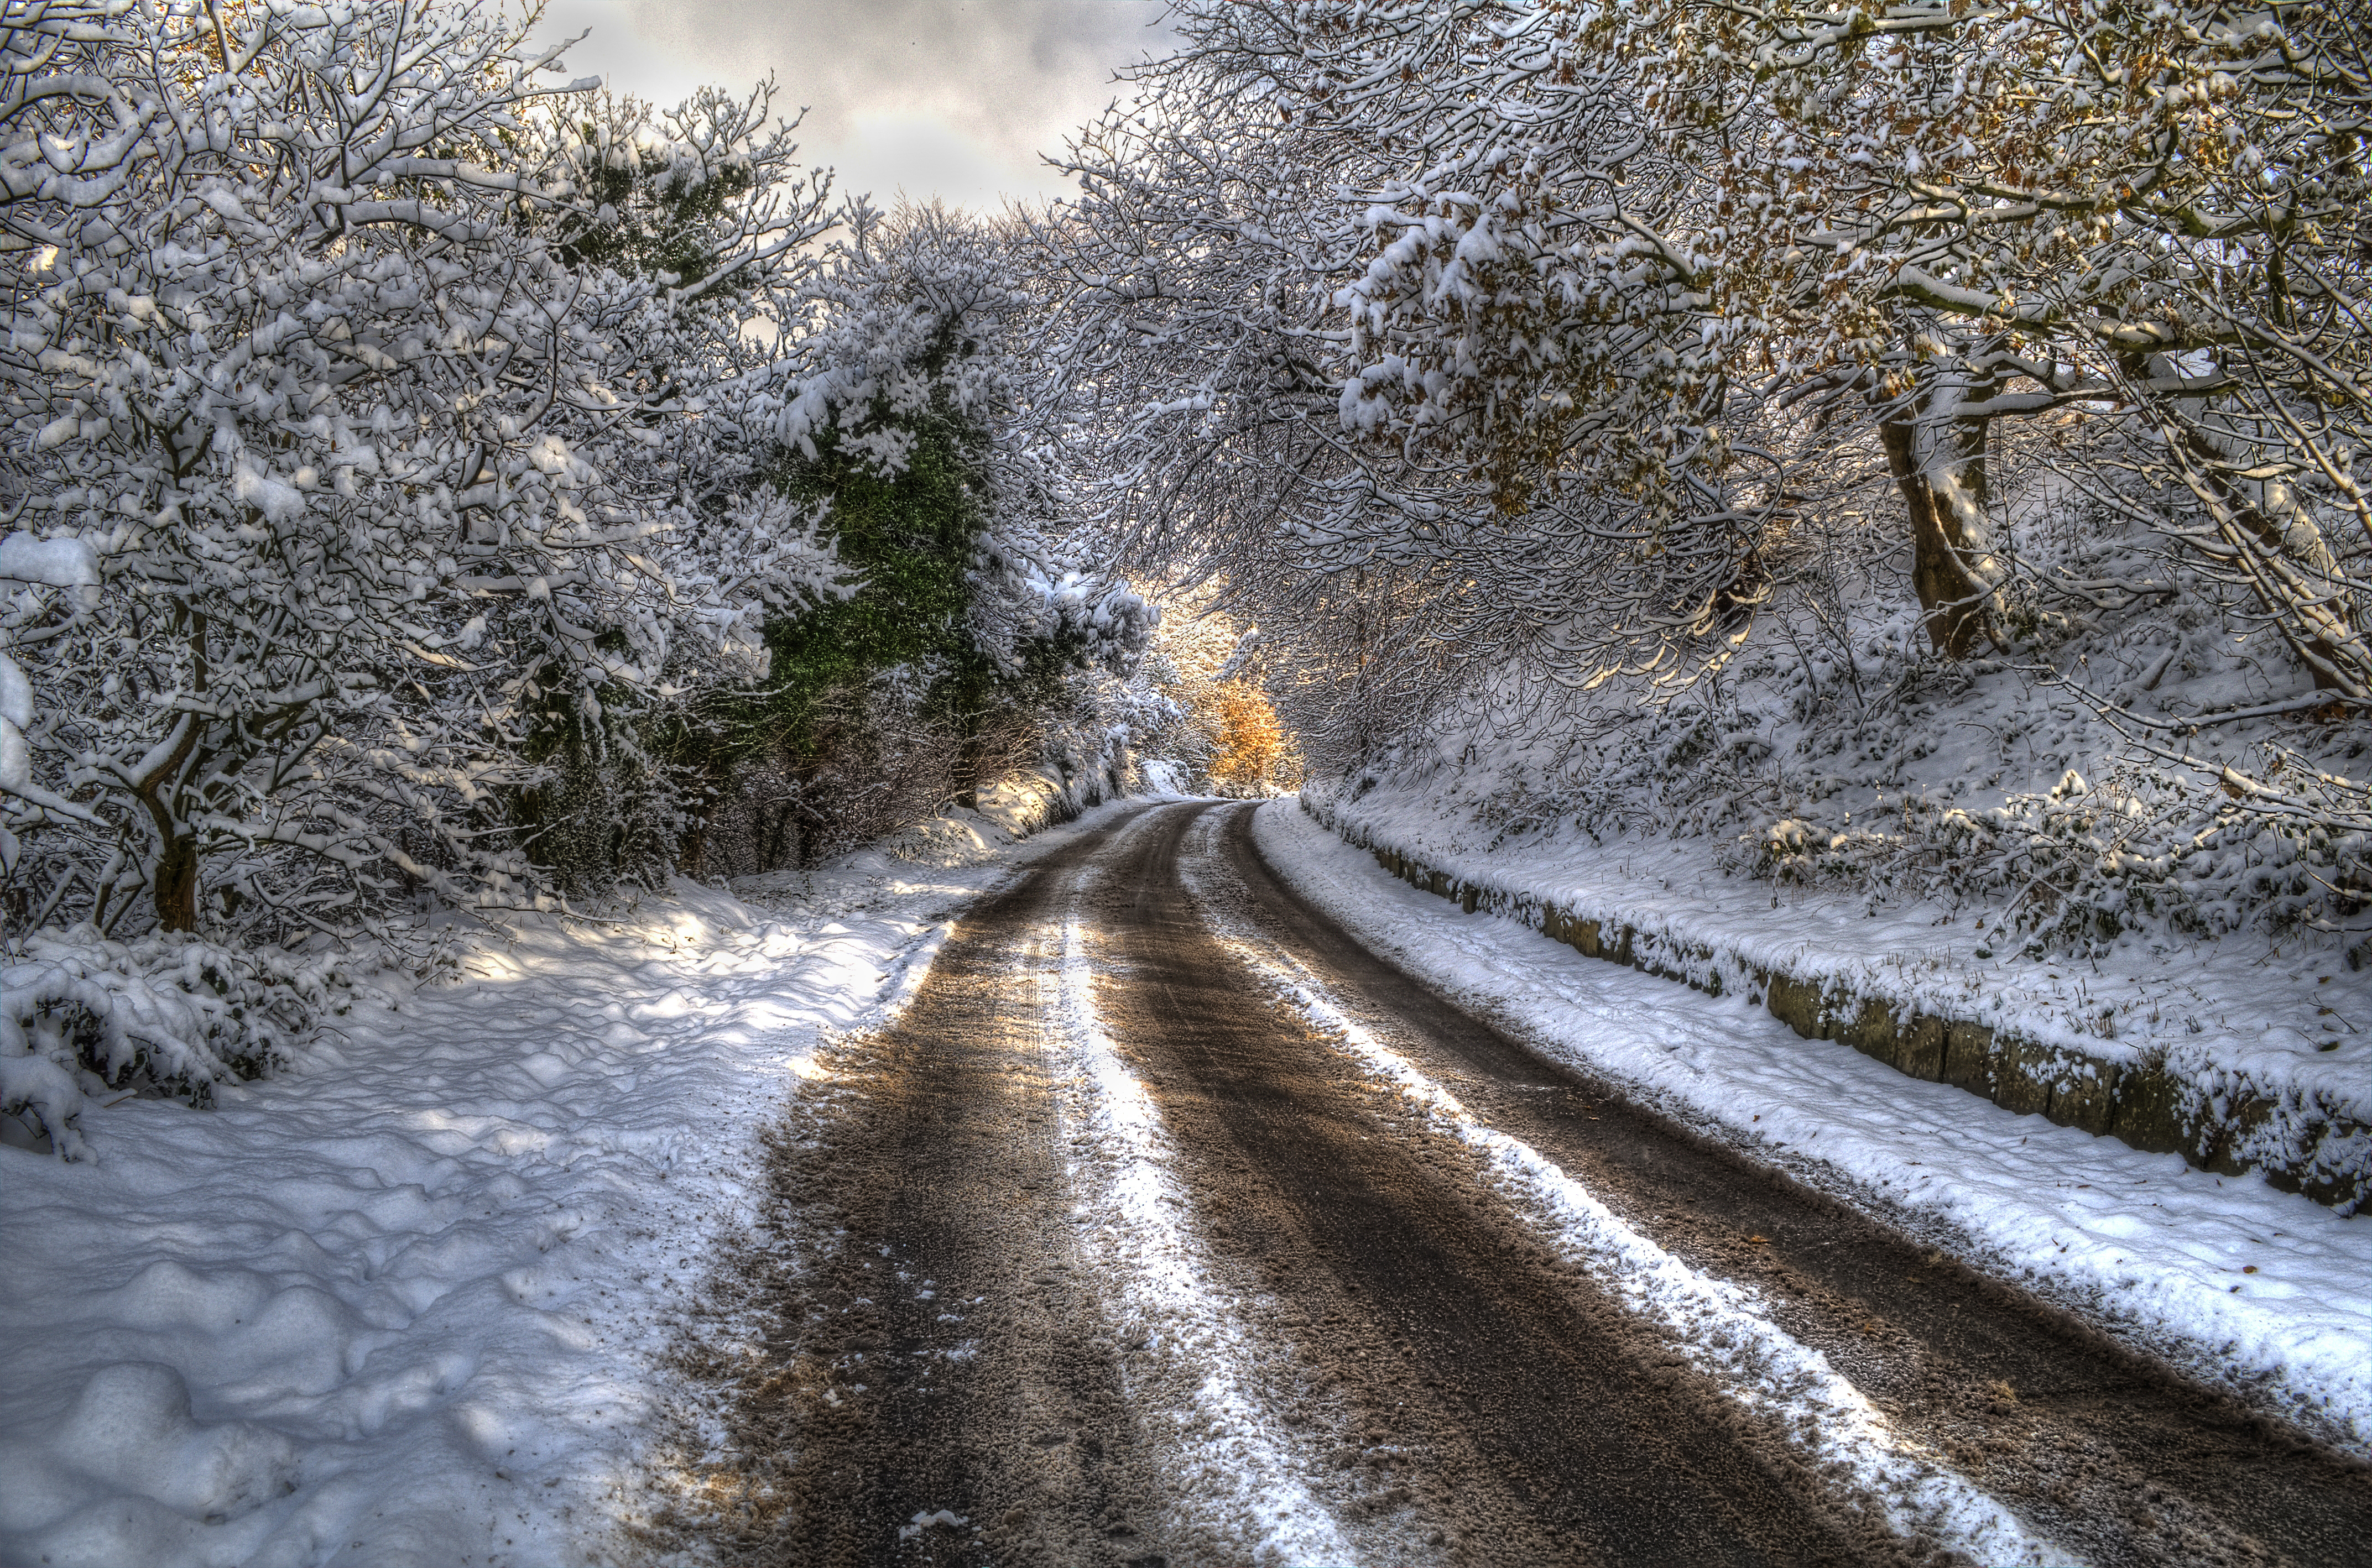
(363, 469)
(166, 1013)
(2080, 864)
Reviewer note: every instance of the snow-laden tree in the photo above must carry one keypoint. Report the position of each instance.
(2245, 366)
(927, 325)
(1957, 212)
(706, 205)
(1192, 282)
(1194, 272)
(1622, 290)
(2150, 218)
(2242, 398)
(1565, 289)
(1362, 300)
(313, 360)
(915, 412)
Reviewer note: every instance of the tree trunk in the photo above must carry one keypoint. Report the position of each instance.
(2297, 578)
(1943, 485)
(177, 884)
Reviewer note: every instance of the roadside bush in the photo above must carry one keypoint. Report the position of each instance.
(2080, 864)
(166, 1013)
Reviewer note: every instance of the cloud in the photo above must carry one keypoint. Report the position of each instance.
(948, 98)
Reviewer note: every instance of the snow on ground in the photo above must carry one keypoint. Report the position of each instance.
(2287, 1013)
(1228, 1463)
(404, 1305)
(2257, 1290)
(1724, 1329)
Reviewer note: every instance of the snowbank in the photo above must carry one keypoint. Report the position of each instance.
(405, 1302)
(2249, 1288)
(2221, 1053)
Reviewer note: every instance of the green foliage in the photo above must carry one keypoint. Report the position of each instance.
(881, 707)
(910, 537)
(958, 632)
(660, 220)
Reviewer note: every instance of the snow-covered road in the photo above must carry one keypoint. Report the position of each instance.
(2256, 1290)
(1259, 1252)
(1103, 1199)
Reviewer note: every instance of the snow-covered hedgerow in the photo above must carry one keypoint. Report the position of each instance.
(164, 1013)
(336, 470)
(1997, 791)
(2080, 863)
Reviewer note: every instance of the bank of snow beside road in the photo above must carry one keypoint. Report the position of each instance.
(2260, 1291)
(406, 1303)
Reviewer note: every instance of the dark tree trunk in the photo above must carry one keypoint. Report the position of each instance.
(176, 885)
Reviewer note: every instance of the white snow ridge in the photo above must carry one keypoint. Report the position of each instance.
(1235, 1473)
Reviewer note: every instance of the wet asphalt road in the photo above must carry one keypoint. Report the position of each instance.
(952, 1356)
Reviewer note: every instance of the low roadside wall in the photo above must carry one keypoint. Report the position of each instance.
(2295, 1143)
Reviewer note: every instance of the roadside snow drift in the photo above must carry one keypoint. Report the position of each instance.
(404, 1305)
(2262, 1292)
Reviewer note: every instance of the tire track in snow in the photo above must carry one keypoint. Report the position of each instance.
(962, 1242)
(1237, 1486)
(1481, 1395)
(1722, 1328)
(925, 1379)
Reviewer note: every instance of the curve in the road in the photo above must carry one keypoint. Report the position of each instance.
(2110, 1451)
(1556, 1427)
(951, 1387)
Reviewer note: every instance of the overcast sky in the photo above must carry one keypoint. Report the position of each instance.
(953, 98)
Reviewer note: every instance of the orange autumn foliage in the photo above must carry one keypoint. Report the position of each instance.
(1250, 752)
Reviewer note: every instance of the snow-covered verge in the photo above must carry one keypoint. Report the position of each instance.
(407, 1301)
(2249, 1288)
(1723, 1328)
(2247, 1052)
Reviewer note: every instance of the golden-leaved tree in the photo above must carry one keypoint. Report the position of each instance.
(1251, 753)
